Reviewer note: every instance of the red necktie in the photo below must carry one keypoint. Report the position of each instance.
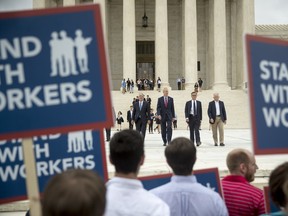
(166, 102)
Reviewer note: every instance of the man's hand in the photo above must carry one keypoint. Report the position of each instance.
(159, 117)
(211, 121)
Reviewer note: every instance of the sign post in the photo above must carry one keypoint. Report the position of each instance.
(31, 177)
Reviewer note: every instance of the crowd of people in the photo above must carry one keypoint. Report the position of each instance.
(82, 192)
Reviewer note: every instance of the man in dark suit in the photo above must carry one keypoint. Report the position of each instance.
(193, 115)
(140, 115)
(129, 117)
(166, 114)
(217, 118)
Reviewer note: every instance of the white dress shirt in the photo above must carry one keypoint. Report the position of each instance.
(217, 106)
(127, 197)
(187, 197)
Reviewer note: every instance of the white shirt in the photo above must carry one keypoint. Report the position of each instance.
(127, 197)
(192, 112)
(187, 197)
(217, 106)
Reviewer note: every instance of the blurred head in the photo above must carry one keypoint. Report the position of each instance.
(277, 183)
(141, 96)
(181, 156)
(127, 151)
(242, 162)
(73, 193)
(165, 91)
(216, 96)
(194, 95)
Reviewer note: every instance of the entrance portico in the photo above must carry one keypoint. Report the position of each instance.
(184, 32)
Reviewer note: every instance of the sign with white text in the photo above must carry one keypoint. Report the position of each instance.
(53, 72)
(207, 177)
(268, 91)
(54, 154)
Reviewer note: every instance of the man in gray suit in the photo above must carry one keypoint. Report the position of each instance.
(217, 118)
(140, 115)
(166, 114)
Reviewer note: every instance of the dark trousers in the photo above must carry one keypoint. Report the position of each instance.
(141, 127)
(166, 130)
(151, 126)
(194, 124)
(108, 134)
(130, 125)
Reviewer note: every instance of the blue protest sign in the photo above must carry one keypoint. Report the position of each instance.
(53, 72)
(269, 204)
(207, 177)
(268, 76)
(54, 154)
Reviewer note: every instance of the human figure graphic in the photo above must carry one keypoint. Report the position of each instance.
(67, 46)
(56, 55)
(81, 50)
(76, 141)
(89, 139)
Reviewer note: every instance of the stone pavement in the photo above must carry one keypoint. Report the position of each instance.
(208, 156)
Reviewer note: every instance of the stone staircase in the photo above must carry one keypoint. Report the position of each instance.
(236, 103)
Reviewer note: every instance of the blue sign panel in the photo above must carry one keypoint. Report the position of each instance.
(207, 177)
(270, 206)
(268, 78)
(53, 154)
(53, 72)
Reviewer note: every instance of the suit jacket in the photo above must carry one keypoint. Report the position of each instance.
(129, 116)
(188, 107)
(212, 111)
(166, 111)
(144, 112)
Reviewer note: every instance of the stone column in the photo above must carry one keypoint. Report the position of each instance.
(103, 9)
(161, 41)
(129, 43)
(246, 25)
(69, 2)
(220, 59)
(39, 4)
(190, 43)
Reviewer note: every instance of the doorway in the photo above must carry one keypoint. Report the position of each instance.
(145, 64)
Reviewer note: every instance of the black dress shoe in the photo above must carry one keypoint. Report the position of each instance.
(198, 144)
(164, 144)
(222, 144)
(215, 144)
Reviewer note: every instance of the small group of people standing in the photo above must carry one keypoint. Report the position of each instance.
(127, 86)
(217, 118)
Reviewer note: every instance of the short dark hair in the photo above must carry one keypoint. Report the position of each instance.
(276, 183)
(74, 192)
(126, 150)
(235, 158)
(181, 156)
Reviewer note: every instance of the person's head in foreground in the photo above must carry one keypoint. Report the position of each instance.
(242, 162)
(127, 152)
(74, 193)
(278, 184)
(181, 156)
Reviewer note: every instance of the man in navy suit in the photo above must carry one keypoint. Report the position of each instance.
(166, 114)
(140, 115)
(193, 115)
(217, 118)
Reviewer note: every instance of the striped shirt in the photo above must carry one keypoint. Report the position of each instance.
(242, 198)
